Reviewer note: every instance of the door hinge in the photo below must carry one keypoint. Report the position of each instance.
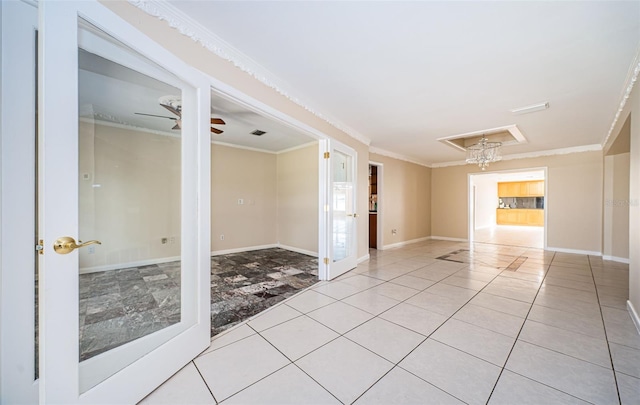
(40, 247)
(326, 260)
(326, 155)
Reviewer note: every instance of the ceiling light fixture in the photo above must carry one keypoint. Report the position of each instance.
(483, 153)
(531, 108)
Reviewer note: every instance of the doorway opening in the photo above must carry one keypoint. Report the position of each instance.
(375, 205)
(508, 208)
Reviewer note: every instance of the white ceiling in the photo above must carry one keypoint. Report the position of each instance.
(406, 73)
(112, 95)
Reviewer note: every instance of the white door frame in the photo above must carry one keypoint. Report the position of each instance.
(61, 379)
(471, 198)
(17, 205)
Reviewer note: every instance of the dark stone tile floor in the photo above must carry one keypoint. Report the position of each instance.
(119, 306)
(244, 284)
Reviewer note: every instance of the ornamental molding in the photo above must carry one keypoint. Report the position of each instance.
(632, 77)
(187, 26)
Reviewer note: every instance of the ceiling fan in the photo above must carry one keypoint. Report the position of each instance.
(174, 105)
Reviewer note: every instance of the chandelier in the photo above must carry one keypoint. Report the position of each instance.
(483, 153)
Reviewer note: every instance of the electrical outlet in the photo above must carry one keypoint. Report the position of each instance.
(240, 201)
(164, 241)
(394, 232)
(172, 240)
(222, 237)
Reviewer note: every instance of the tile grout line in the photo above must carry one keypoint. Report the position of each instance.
(520, 331)
(204, 381)
(604, 327)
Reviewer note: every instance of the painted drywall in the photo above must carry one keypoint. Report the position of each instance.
(129, 196)
(616, 207)
(573, 201)
(297, 183)
(634, 202)
(404, 200)
(243, 198)
(486, 201)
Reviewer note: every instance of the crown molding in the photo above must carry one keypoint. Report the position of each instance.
(632, 77)
(397, 156)
(187, 26)
(528, 155)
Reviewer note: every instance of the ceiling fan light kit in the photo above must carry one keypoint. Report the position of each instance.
(483, 153)
(174, 105)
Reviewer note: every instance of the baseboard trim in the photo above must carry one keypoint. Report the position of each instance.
(574, 251)
(616, 259)
(364, 258)
(243, 249)
(406, 242)
(298, 250)
(448, 239)
(634, 315)
(148, 262)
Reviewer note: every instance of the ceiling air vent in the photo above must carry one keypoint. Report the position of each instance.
(257, 132)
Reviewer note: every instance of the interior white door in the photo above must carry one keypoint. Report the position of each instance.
(18, 372)
(120, 317)
(342, 205)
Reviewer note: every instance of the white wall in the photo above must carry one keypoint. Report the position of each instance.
(486, 201)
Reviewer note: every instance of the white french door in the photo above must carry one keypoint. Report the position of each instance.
(341, 214)
(123, 166)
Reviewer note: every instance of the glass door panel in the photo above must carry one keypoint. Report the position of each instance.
(124, 208)
(343, 215)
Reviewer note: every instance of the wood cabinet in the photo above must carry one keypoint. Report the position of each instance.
(528, 217)
(521, 189)
(373, 231)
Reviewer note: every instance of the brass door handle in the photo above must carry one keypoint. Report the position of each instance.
(67, 244)
(353, 215)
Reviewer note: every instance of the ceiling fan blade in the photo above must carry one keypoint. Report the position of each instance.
(216, 131)
(173, 110)
(159, 116)
(217, 121)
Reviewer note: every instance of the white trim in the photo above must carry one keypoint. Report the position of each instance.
(632, 76)
(242, 249)
(126, 265)
(187, 26)
(298, 250)
(129, 127)
(262, 247)
(527, 155)
(448, 239)
(404, 243)
(616, 259)
(291, 149)
(634, 315)
(397, 156)
(574, 251)
(364, 258)
(513, 130)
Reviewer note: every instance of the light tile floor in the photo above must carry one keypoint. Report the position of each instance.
(525, 236)
(407, 328)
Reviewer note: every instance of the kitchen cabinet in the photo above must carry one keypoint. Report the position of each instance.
(521, 189)
(525, 217)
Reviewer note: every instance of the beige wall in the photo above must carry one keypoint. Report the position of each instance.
(573, 201)
(404, 200)
(250, 176)
(197, 56)
(129, 191)
(616, 206)
(297, 179)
